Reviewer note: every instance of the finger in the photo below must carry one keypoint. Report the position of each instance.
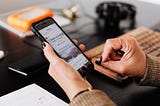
(51, 70)
(110, 47)
(50, 54)
(75, 41)
(82, 47)
(88, 55)
(115, 56)
(106, 53)
(116, 66)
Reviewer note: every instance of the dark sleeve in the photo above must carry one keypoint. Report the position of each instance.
(152, 74)
(92, 98)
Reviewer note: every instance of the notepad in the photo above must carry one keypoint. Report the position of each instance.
(31, 95)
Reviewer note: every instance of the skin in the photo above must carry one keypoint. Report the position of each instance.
(66, 76)
(131, 63)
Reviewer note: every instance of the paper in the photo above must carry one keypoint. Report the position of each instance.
(31, 95)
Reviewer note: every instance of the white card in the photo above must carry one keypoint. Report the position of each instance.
(31, 95)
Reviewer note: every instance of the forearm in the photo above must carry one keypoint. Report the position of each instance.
(152, 74)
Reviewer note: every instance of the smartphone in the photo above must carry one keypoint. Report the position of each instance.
(48, 30)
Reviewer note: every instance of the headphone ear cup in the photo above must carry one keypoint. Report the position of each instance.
(133, 12)
(99, 10)
(112, 13)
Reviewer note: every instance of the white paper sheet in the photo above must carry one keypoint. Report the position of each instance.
(31, 95)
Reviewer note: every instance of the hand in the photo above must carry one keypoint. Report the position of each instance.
(124, 56)
(67, 77)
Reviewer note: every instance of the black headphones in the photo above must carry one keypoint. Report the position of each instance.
(112, 13)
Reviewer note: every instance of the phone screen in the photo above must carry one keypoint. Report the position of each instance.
(64, 47)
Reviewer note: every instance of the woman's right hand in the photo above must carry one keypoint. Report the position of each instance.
(123, 55)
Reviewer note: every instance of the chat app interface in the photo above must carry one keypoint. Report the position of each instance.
(62, 45)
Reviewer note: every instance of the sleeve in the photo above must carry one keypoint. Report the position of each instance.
(92, 98)
(152, 74)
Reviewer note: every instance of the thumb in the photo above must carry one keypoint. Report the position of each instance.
(116, 66)
(49, 53)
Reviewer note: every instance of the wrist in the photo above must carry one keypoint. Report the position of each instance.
(75, 87)
(142, 72)
(80, 92)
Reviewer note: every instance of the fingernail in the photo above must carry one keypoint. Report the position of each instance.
(119, 52)
(98, 62)
(43, 45)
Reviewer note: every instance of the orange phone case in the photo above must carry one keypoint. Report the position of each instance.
(23, 19)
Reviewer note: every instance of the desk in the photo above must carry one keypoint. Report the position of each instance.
(124, 94)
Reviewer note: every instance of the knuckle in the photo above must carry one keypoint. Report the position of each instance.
(123, 70)
(49, 70)
(108, 41)
(131, 40)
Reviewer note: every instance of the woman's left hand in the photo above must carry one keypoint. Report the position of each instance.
(67, 77)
